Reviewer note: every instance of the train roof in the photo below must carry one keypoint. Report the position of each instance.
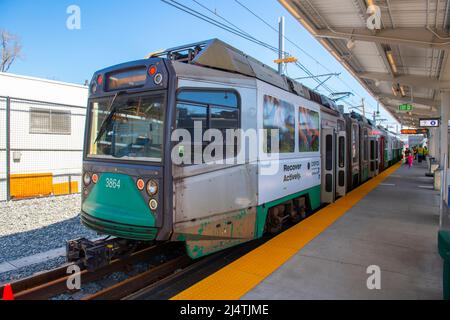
(217, 54)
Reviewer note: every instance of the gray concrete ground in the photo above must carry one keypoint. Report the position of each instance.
(394, 227)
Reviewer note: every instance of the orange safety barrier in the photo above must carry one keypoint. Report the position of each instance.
(39, 185)
(31, 185)
(63, 188)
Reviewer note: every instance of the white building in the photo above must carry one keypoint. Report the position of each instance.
(47, 120)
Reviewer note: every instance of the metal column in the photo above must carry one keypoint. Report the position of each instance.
(281, 45)
(8, 149)
(445, 115)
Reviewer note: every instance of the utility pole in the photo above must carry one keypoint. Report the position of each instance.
(363, 107)
(281, 45)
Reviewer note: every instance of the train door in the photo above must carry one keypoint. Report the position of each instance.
(381, 158)
(364, 155)
(341, 164)
(372, 157)
(328, 168)
(377, 157)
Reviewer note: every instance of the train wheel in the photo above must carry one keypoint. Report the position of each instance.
(275, 219)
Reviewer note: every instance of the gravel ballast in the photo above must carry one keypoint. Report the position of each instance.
(29, 227)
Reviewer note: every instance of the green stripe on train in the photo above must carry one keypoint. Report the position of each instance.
(116, 198)
(261, 211)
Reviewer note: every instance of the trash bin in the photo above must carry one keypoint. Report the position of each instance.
(444, 251)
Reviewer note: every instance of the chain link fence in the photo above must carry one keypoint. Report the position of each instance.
(41, 148)
(3, 162)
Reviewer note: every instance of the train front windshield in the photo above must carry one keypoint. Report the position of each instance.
(127, 128)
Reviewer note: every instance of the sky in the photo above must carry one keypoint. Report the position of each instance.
(115, 31)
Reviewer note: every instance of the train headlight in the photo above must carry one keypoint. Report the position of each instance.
(153, 204)
(87, 179)
(152, 187)
(158, 78)
(95, 178)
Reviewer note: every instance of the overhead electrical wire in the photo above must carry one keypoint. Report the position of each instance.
(218, 24)
(238, 32)
(297, 46)
(302, 67)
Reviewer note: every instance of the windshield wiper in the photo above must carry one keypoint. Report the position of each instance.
(112, 110)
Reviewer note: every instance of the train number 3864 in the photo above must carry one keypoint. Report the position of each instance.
(112, 183)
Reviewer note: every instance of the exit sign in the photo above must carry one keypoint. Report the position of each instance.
(405, 107)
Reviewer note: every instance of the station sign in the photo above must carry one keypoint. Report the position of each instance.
(429, 123)
(414, 131)
(405, 107)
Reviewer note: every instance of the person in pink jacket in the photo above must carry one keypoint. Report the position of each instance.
(410, 160)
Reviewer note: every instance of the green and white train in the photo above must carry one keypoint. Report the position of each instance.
(133, 189)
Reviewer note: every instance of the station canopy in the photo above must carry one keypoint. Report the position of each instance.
(397, 49)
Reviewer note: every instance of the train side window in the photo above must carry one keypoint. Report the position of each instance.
(210, 97)
(308, 130)
(279, 115)
(329, 152)
(355, 143)
(376, 150)
(341, 152)
(366, 145)
(214, 109)
(341, 125)
(188, 115)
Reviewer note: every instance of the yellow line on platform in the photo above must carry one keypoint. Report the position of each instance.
(242, 275)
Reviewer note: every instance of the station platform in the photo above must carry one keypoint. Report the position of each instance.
(391, 222)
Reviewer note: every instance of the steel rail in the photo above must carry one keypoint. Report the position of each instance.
(54, 282)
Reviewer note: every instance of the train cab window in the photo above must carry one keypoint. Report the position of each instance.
(279, 115)
(211, 109)
(308, 130)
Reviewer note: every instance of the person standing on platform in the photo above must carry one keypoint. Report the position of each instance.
(410, 160)
(420, 154)
(407, 153)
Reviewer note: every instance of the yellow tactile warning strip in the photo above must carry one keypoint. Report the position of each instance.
(242, 275)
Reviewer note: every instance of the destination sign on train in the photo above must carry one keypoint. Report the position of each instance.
(414, 131)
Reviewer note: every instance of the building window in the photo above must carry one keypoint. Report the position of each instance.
(213, 109)
(279, 115)
(46, 121)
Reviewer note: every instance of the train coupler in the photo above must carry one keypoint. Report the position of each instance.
(97, 254)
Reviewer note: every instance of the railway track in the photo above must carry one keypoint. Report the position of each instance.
(52, 283)
(160, 280)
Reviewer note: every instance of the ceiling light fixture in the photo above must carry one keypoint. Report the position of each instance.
(350, 44)
(391, 60)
